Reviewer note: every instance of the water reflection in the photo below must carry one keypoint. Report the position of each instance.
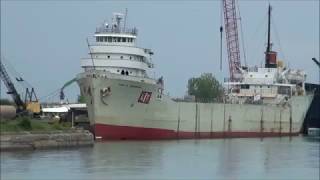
(185, 159)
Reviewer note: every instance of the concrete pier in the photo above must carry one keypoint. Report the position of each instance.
(45, 140)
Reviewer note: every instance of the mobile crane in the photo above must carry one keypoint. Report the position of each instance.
(30, 103)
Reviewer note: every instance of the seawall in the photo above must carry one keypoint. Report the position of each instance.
(45, 140)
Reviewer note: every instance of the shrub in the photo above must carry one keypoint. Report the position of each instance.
(57, 126)
(25, 124)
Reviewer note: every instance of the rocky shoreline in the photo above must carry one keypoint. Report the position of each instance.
(45, 140)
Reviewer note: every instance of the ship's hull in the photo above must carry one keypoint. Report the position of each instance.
(126, 112)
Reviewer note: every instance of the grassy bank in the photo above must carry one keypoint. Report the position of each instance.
(29, 124)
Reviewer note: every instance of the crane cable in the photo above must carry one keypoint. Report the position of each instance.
(22, 84)
(256, 49)
(50, 95)
(277, 37)
(16, 74)
(242, 36)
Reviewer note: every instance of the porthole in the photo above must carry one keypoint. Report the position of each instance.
(108, 57)
(121, 57)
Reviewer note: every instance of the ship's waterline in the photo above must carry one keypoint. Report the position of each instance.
(112, 132)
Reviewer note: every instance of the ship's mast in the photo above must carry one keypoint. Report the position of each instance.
(269, 34)
(271, 56)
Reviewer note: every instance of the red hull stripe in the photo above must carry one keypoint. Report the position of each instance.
(113, 132)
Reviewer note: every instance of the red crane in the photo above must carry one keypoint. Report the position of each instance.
(231, 29)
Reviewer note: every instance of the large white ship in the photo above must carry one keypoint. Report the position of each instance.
(125, 103)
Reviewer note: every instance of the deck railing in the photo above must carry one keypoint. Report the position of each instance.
(132, 31)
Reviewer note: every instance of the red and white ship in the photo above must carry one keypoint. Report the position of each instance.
(125, 103)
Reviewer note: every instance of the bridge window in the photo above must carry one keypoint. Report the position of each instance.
(119, 39)
(124, 39)
(109, 39)
(245, 86)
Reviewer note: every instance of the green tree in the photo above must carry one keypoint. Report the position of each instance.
(81, 99)
(205, 88)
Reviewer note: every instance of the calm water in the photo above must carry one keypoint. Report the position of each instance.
(272, 158)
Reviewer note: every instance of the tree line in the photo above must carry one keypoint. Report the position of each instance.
(205, 88)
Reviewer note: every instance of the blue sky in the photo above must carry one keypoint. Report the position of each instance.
(44, 41)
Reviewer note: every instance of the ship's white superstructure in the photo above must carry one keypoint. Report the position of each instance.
(125, 103)
(115, 51)
(267, 85)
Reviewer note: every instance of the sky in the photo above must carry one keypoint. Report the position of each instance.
(44, 40)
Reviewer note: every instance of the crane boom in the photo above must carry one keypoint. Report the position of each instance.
(11, 89)
(316, 61)
(231, 29)
(64, 86)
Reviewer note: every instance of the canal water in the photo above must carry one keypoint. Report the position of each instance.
(269, 158)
